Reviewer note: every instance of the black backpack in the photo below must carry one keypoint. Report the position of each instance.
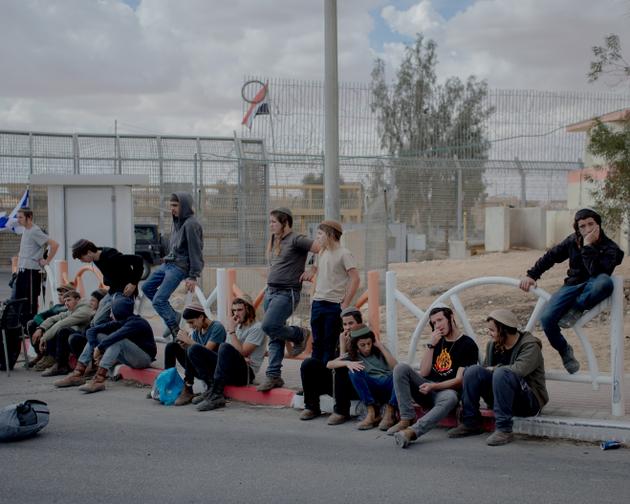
(10, 326)
(19, 421)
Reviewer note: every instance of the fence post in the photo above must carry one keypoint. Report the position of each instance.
(460, 199)
(158, 140)
(616, 347)
(519, 167)
(75, 154)
(374, 319)
(391, 319)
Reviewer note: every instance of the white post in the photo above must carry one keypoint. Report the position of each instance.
(616, 347)
(222, 295)
(391, 319)
(331, 113)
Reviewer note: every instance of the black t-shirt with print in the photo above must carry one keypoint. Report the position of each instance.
(449, 356)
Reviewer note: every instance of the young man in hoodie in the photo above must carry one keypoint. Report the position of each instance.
(183, 262)
(121, 273)
(511, 380)
(592, 259)
(128, 339)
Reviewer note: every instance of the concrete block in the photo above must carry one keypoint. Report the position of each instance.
(497, 229)
(528, 227)
(559, 226)
(457, 249)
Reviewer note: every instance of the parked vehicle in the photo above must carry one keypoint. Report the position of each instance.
(150, 245)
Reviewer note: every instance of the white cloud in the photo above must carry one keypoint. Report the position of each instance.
(421, 17)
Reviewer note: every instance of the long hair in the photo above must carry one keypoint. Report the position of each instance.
(250, 311)
(448, 313)
(273, 247)
(332, 236)
(504, 331)
(353, 351)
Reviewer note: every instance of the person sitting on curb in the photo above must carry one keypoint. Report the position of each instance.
(592, 259)
(75, 318)
(78, 339)
(56, 309)
(370, 365)
(317, 379)
(239, 360)
(435, 386)
(195, 351)
(127, 339)
(511, 380)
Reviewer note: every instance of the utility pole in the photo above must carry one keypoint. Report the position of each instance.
(331, 113)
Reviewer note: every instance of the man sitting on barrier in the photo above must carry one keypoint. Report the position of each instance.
(317, 379)
(436, 386)
(127, 339)
(238, 361)
(592, 259)
(511, 380)
(195, 351)
(59, 327)
(78, 339)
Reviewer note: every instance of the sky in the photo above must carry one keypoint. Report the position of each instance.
(177, 67)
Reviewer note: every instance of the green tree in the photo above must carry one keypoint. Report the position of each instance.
(422, 124)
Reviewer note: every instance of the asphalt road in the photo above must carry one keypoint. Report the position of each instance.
(117, 446)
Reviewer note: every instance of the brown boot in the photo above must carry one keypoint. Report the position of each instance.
(97, 383)
(44, 363)
(90, 371)
(371, 420)
(185, 397)
(403, 424)
(56, 370)
(389, 419)
(74, 379)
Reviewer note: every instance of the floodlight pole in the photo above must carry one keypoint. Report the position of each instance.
(331, 113)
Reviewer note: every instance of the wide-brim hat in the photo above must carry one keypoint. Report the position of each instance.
(333, 224)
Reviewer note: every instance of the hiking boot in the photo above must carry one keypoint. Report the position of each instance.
(389, 418)
(74, 379)
(271, 382)
(309, 414)
(56, 370)
(34, 361)
(463, 430)
(569, 361)
(371, 420)
(97, 383)
(337, 419)
(569, 319)
(215, 401)
(90, 370)
(201, 397)
(404, 438)
(403, 424)
(299, 348)
(498, 438)
(185, 396)
(44, 363)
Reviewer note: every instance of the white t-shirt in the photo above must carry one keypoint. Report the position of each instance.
(332, 274)
(32, 247)
(253, 334)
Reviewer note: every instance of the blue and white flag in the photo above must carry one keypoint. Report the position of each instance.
(9, 222)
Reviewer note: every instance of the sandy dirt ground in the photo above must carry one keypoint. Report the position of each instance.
(424, 281)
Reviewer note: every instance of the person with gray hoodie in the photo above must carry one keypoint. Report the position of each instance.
(184, 260)
(511, 380)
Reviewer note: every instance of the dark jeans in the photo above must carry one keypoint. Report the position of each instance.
(77, 342)
(174, 353)
(373, 390)
(202, 362)
(503, 390)
(58, 347)
(317, 379)
(582, 297)
(225, 367)
(28, 285)
(326, 327)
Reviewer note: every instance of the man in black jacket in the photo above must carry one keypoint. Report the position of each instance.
(592, 259)
(121, 273)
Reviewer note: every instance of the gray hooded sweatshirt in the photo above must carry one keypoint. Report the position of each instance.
(186, 242)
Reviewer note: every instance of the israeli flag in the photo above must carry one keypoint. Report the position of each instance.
(9, 222)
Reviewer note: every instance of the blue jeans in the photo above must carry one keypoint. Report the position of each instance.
(279, 305)
(126, 352)
(373, 390)
(582, 297)
(326, 327)
(159, 287)
(439, 404)
(503, 390)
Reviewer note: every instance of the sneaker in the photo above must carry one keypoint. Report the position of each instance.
(404, 438)
(337, 419)
(44, 363)
(309, 414)
(271, 382)
(498, 438)
(298, 348)
(56, 370)
(213, 402)
(569, 361)
(570, 318)
(463, 430)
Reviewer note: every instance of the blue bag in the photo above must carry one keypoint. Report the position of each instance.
(19, 421)
(168, 386)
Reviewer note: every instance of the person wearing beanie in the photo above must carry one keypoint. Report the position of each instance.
(287, 253)
(184, 261)
(592, 259)
(127, 339)
(195, 350)
(511, 380)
